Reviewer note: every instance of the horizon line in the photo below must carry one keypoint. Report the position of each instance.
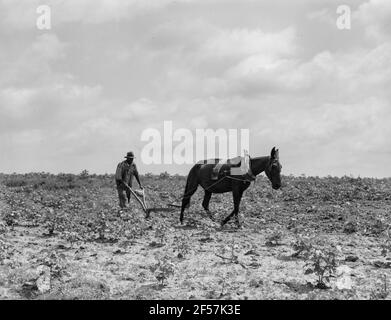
(303, 175)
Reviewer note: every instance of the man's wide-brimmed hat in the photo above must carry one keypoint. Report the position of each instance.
(129, 155)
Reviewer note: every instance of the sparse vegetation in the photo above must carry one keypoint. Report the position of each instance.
(181, 245)
(302, 247)
(161, 233)
(55, 261)
(274, 239)
(5, 250)
(228, 253)
(72, 225)
(382, 289)
(163, 269)
(386, 243)
(323, 264)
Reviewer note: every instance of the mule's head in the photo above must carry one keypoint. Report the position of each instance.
(273, 169)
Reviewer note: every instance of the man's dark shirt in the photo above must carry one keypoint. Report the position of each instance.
(125, 172)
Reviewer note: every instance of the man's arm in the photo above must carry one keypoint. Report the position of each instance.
(119, 172)
(137, 177)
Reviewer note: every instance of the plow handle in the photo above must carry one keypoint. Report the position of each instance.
(137, 198)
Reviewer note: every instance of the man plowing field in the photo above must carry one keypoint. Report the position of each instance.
(123, 178)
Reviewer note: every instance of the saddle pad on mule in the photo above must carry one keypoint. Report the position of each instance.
(238, 166)
(227, 164)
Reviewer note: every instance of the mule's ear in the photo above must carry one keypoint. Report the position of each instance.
(278, 154)
(273, 153)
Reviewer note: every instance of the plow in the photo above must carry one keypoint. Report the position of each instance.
(140, 196)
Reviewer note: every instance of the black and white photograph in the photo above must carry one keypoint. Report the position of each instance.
(195, 150)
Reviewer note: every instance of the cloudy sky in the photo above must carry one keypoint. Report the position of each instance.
(79, 95)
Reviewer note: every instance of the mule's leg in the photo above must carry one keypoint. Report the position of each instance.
(190, 190)
(237, 208)
(237, 196)
(205, 203)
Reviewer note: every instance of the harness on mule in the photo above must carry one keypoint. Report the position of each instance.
(238, 169)
(238, 166)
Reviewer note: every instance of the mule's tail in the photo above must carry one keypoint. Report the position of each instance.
(190, 189)
(191, 182)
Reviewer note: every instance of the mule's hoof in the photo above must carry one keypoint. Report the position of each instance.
(210, 215)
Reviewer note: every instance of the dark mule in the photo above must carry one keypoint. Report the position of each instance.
(201, 174)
